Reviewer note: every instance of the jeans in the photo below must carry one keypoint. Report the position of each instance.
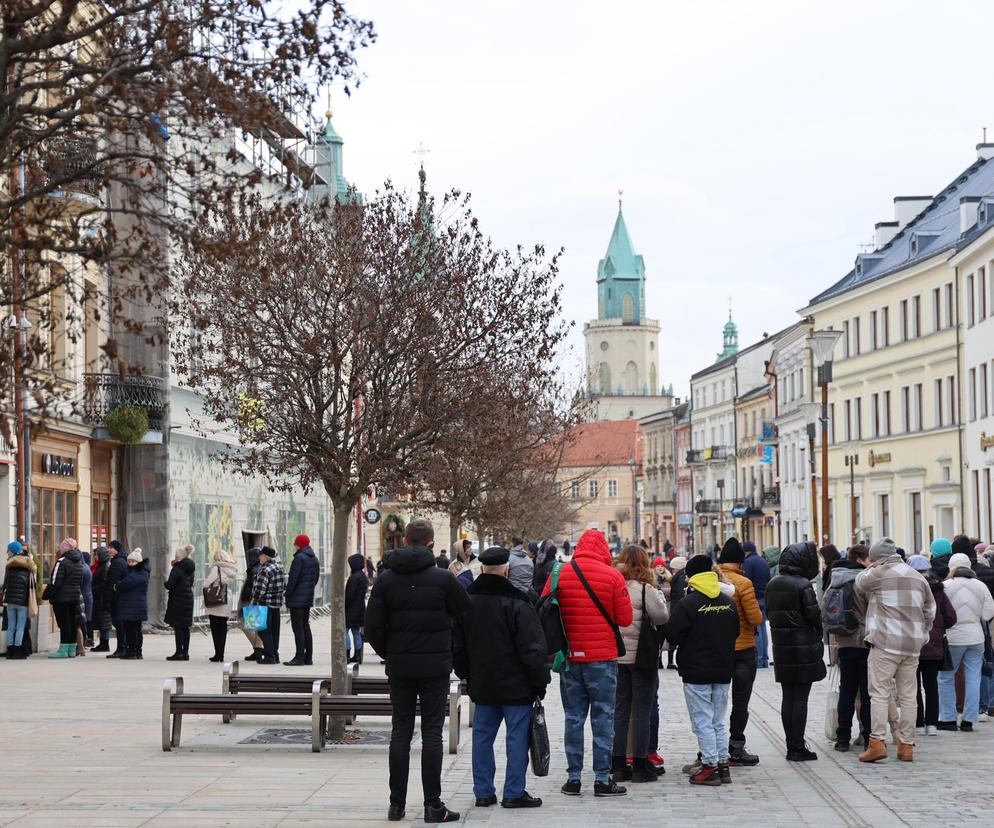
(972, 658)
(303, 642)
(434, 696)
(486, 722)
(633, 703)
(17, 620)
(65, 616)
(589, 686)
(271, 635)
(654, 721)
(928, 681)
(742, 681)
(794, 713)
(892, 680)
(219, 634)
(356, 635)
(707, 705)
(853, 682)
(763, 640)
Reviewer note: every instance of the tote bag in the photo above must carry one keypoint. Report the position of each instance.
(254, 617)
(832, 704)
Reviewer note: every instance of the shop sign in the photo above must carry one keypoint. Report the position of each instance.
(372, 515)
(879, 457)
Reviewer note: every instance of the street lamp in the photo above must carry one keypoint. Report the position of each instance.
(20, 326)
(720, 532)
(636, 524)
(814, 485)
(822, 346)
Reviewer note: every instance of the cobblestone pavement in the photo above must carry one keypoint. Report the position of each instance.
(79, 746)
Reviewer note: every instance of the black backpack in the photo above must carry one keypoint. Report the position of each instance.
(551, 617)
(839, 610)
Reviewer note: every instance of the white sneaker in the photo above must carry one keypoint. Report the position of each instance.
(920, 730)
(931, 730)
(983, 717)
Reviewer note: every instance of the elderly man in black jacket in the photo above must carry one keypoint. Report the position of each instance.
(408, 622)
(502, 653)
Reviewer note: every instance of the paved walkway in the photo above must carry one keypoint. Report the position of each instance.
(80, 746)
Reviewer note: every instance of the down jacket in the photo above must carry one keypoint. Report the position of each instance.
(945, 618)
(17, 581)
(132, 593)
(179, 585)
(102, 593)
(655, 605)
(356, 588)
(66, 583)
(973, 605)
(795, 617)
(302, 579)
(746, 604)
(590, 637)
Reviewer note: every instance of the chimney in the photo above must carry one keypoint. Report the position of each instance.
(968, 212)
(985, 152)
(907, 207)
(886, 230)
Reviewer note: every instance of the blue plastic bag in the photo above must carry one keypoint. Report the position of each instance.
(254, 617)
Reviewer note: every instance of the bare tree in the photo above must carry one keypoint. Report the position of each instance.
(333, 344)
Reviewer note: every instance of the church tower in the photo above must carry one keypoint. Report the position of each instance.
(622, 344)
(730, 337)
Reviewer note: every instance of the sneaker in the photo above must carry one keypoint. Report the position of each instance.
(609, 788)
(621, 771)
(395, 813)
(707, 775)
(983, 717)
(439, 813)
(486, 801)
(842, 746)
(724, 774)
(966, 727)
(742, 758)
(571, 788)
(694, 766)
(947, 726)
(931, 730)
(526, 800)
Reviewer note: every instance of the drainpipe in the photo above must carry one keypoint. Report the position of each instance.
(959, 400)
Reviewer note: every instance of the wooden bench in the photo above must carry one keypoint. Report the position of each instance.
(317, 704)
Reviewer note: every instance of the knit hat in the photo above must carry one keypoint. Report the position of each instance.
(301, 541)
(135, 555)
(14, 548)
(883, 548)
(732, 552)
(940, 547)
(117, 545)
(980, 548)
(962, 546)
(748, 546)
(678, 563)
(698, 564)
(67, 545)
(959, 561)
(919, 563)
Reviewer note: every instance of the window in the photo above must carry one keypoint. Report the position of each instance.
(859, 418)
(905, 408)
(903, 322)
(857, 347)
(831, 423)
(983, 390)
(973, 394)
(612, 488)
(919, 407)
(886, 417)
(593, 489)
(875, 413)
(951, 398)
(969, 301)
(100, 519)
(53, 517)
(884, 327)
(981, 295)
(916, 316)
(845, 338)
(873, 331)
(847, 431)
(883, 502)
(936, 309)
(939, 409)
(916, 522)
(627, 308)
(949, 304)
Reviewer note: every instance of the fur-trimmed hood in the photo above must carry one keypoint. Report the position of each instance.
(22, 562)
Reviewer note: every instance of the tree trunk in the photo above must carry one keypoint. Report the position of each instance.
(453, 530)
(339, 555)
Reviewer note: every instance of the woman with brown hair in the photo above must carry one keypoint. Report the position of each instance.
(637, 681)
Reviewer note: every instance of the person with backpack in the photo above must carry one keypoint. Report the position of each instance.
(845, 633)
(757, 570)
(594, 605)
(704, 627)
(933, 651)
(899, 610)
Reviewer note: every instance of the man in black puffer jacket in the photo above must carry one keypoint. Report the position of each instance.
(408, 622)
(118, 572)
(305, 571)
(502, 654)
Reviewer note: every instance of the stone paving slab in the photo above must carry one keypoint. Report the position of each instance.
(79, 746)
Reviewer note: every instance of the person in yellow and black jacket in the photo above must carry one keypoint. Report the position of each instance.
(704, 626)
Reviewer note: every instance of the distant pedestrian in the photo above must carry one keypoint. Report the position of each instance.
(356, 588)
(544, 561)
(594, 602)
(829, 554)
(220, 581)
(933, 651)
(899, 609)
(463, 551)
(522, 566)
(302, 580)
(64, 593)
(117, 572)
(86, 592)
(267, 591)
(443, 561)
(704, 627)
(678, 589)
(179, 603)
(245, 598)
(501, 651)
(102, 598)
(757, 570)
(798, 651)
(771, 554)
(18, 588)
(409, 620)
(132, 602)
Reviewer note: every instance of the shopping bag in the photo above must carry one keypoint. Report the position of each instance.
(254, 617)
(538, 741)
(832, 704)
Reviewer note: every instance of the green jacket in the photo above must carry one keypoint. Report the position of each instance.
(772, 555)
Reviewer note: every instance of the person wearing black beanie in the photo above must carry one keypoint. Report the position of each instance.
(732, 552)
(698, 564)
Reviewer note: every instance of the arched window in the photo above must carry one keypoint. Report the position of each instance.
(652, 380)
(631, 378)
(627, 308)
(605, 378)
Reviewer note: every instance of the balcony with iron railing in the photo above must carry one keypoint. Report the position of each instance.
(102, 393)
(707, 506)
(771, 496)
(67, 166)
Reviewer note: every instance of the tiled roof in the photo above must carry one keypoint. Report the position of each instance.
(603, 443)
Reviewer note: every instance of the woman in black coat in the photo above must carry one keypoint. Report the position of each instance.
(798, 649)
(179, 608)
(355, 605)
(102, 596)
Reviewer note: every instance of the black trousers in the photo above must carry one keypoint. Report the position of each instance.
(300, 623)
(633, 702)
(794, 713)
(121, 635)
(182, 636)
(404, 695)
(219, 633)
(271, 635)
(928, 679)
(742, 680)
(133, 632)
(853, 681)
(65, 617)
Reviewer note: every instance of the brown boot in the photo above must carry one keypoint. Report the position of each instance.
(905, 753)
(877, 750)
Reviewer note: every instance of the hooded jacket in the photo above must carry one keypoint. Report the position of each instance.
(945, 619)
(500, 648)
(844, 571)
(225, 573)
(356, 588)
(132, 593)
(103, 596)
(17, 580)
(410, 613)
(750, 613)
(772, 555)
(65, 585)
(179, 586)
(795, 617)
(973, 605)
(521, 569)
(302, 579)
(704, 627)
(590, 636)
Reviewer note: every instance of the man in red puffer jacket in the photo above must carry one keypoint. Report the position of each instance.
(590, 683)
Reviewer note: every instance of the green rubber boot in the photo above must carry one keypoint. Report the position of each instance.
(62, 652)
(72, 650)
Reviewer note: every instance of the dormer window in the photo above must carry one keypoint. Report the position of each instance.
(914, 244)
(982, 213)
(859, 267)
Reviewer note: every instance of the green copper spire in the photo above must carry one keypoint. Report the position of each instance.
(333, 141)
(621, 277)
(730, 337)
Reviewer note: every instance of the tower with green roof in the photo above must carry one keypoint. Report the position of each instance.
(621, 277)
(328, 164)
(730, 337)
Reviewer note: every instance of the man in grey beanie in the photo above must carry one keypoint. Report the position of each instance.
(897, 603)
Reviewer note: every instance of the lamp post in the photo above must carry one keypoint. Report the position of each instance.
(814, 486)
(720, 531)
(20, 326)
(636, 524)
(852, 460)
(822, 346)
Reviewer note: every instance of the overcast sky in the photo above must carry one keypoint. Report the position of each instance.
(757, 143)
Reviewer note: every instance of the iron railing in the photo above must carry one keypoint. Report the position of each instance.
(69, 164)
(771, 496)
(105, 392)
(707, 506)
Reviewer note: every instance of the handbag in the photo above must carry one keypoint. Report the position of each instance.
(32, 598)
(647, 649)
(254, 617)
(832, 704)
(618, 640)
(216, 594)
(947, 656)
(538, 741)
